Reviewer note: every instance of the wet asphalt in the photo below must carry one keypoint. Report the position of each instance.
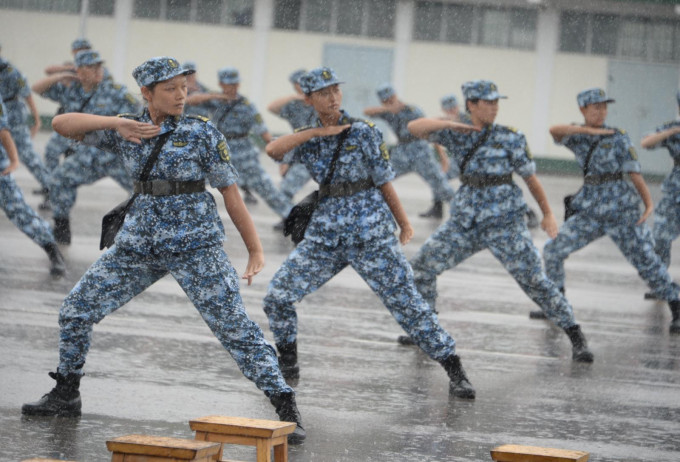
(154, 364)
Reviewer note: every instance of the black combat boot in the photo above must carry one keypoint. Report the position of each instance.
(287, 411)
(249, 197)
(580, 351)
(405, 340)
(62, 230)
(651, 296)
(57, 264)
(63, 400)
(675, 312)
(459, 386)
(437, 211)
(288, 360)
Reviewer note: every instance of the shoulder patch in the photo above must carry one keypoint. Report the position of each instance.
(633, 153)
(130, 99)
(303, 128)
(506, 128)
(197, 117)
(223, 149)
(384, 152)
(117, 86)
(245, 101)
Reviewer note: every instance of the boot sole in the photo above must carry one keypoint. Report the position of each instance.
(463, 394)
(584, 358)
(537, 315)
(51, 413)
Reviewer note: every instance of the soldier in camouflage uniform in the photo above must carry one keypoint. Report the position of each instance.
(173, 227)
(411, 154)
(298, 114)
(488, 210)
(16, 96)
(89, 93)
(13, 203)
(667, 213)
(195, 86)
(607, 204)
(352, 225)
(236, 117)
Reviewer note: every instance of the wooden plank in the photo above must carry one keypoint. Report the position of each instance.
(45, 460)
(242, 426)
(518, 453)
(162, 446)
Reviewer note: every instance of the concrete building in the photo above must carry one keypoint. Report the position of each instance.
(539, 52)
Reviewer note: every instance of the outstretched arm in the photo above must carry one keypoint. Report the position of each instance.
(646, 197)
(276, 106)
(42, 85)
(425, 125)
(548, 224)
(11, 150)
(244, 224)
(75, 125)
(558, 132)
(286, 143)
(393, 202)
(651, 141)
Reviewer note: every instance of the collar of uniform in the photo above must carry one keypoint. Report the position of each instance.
(168, 125)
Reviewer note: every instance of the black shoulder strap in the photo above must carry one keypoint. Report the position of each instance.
(228, 110)
(468, 156)
(154, 155)
(589, 156)
(82, 106)
(336, 154)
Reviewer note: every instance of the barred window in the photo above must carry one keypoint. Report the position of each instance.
(229, 12)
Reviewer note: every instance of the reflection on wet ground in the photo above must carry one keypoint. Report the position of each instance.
(154, 364)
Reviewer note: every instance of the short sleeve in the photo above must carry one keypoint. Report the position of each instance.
(521, 158)
(106, 140)
(217, 160)
(377, 153)
(630, 162)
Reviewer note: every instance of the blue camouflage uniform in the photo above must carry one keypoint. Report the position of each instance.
(14, 88)
(181, 235)
(12, 200)
(489, 216)
(356, 230)
(205, 109)
(412, 154)
(667, 212)
(611, 208)
(87, 165)
(237, 120)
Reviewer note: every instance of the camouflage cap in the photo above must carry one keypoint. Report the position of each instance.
(189, 65)
(294, 77)
(481, 89)
(80, 44)
(228, 75)
(318, 79)
(87, 58)
(592, 96)
(158, 69)
(385, 91)
(449, 101)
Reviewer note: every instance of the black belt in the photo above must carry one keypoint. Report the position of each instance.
(407, 140)
(604, 178)
(483, 181)
(11, 98)
(345, 189)
(235, 137)
(169, 188)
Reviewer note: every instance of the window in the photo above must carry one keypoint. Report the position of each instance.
(231, 12)
(56, 6)
(287, 14)
(458, 20)
(100, 7)
(605, 34)
(371, 18)
(632, 38)
(660, 42)
(475, 24)
(573, 31)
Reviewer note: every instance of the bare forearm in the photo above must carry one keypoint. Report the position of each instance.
(200, 98)
(642, 189)
(424, 126)
(75, 125)
(241, 218)
(393, 202)
(651, 141)
(538, 193)
(278, 148)
(42, 85)
(276, 106)
(10, 147)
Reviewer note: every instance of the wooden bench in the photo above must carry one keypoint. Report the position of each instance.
(516, 453)
(265, 435)
(143, 448)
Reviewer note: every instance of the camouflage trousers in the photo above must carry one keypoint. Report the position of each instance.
(296, 177)
(635, 242)
(666, 227)
(208, 279)
(510, 242)
(251, 175)
(417, 157)
(385, 269)
(86, 166)
(56, 146)
(21, 214)
(27, 155)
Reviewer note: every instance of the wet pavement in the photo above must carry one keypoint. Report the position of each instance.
(154, 364)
